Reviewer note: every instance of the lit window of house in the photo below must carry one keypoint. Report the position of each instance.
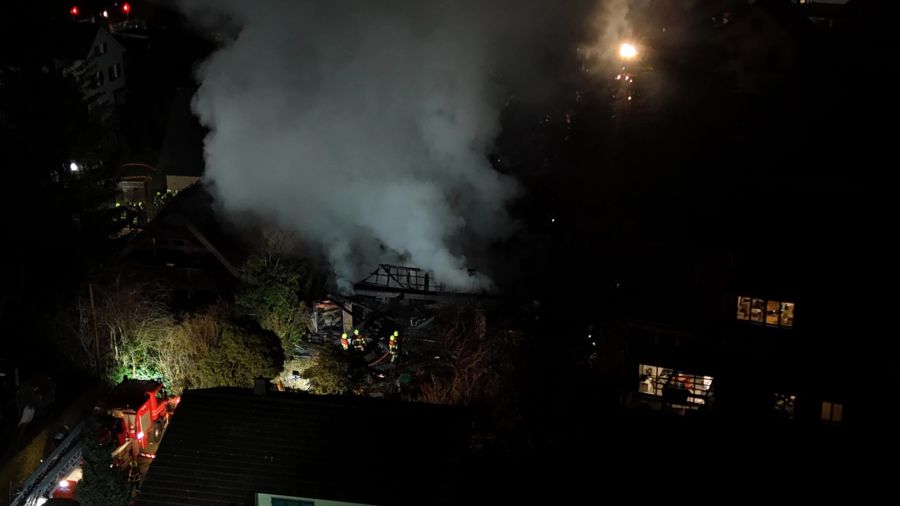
(654, 380)
(774, 313)
(743, 309)
(832, 412)
(787, 314)
(784, 405)
(757, 310)
(650, 379)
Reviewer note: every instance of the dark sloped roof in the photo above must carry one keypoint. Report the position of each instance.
(224, 445)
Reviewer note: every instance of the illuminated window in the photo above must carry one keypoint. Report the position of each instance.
(650, 376)
(654, 380)
(773, 312)
(757, 310)
(743, 308)
(784, 405)
(787, 314)
(832, 412)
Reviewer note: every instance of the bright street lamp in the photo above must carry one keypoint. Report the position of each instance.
(627, 51)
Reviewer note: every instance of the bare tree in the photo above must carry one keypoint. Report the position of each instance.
(468, 375)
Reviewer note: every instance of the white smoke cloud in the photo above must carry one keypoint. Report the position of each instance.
(610, 27)
(365, 125)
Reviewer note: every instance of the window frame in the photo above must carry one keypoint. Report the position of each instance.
(286, 501)
(788, 408)
(743, 302)
(762, 305)
(832, 415)
(700, 387)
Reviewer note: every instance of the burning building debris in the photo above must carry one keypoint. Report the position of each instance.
(392, 318)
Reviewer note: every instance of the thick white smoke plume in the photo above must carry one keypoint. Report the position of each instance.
(365, 125)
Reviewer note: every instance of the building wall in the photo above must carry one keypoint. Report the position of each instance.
(802, 345)
(101, 72)
(109, 69)
(178, 183)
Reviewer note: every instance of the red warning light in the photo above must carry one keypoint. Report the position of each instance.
(74, 10)
(126, 8)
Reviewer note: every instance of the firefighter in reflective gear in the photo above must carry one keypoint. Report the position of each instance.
(394, 345)
(134, 472)
(345, 341)
(358, 340)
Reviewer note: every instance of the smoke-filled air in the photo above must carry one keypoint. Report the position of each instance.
(365, 126)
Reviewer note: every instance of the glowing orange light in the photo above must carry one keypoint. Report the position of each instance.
(627, 51)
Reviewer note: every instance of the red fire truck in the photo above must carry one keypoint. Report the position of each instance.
(140, 411)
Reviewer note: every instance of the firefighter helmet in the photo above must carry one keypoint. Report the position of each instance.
(355, 332)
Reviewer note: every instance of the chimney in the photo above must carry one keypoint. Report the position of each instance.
(260, 386)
